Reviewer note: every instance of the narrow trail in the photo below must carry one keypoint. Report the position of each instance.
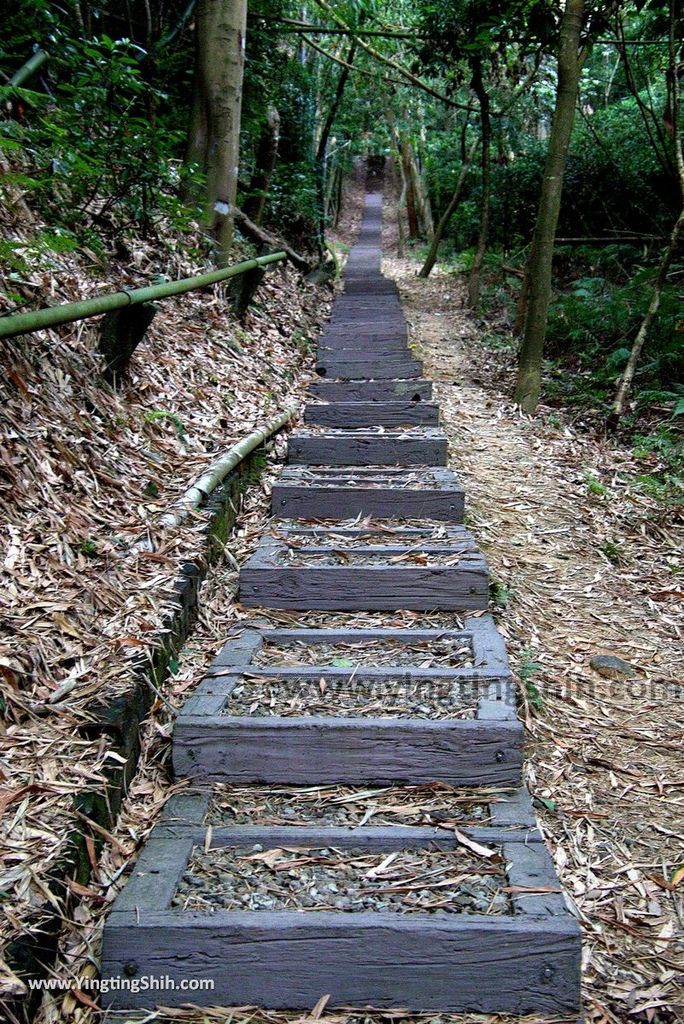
(432, 889)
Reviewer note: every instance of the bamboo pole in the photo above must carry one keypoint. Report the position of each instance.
(27, 70)
(220, 469)
(68, 312)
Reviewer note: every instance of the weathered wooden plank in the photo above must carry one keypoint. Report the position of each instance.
(352, 415)
(287, 960)
(354, 751)
(413, 576)
(371, 838)
(372, 368)
(451, 963)
(532, 875)
(416, 447)
(353, 336)
(364, 588)
(358, 286)
(363, 317)
(371, 390)
(308, 497)
(239, 650)
(353, 324)
(352, 347)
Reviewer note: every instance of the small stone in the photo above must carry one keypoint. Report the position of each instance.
(611, 667)
(258, 848)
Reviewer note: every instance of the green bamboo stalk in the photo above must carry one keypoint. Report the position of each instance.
(27, 70)
(69, 312)
(196, 495)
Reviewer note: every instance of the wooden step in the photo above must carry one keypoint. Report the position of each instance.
(251, 643)
(287, 572)
(371, 312)
(360, 284)
(219, 739)
(349, 335)
(372, 306)
(421, 493)
(522, 960)
(212, 743)
(326, 446)
(356, 346)
(368, 366)
(349, 319)
(353, 415)
(371, 390)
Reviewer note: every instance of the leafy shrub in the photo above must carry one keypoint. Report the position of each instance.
(91, 153)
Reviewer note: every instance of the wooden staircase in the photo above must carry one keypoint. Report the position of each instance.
(368, 517)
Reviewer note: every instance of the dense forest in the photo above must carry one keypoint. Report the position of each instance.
(539, 151)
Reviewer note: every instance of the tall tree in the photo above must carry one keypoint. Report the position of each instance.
(214, 132)
(537, 283)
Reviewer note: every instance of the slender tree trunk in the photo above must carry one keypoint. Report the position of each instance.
(627, 378)
(322, 148)
(486, 136)
(196, 142)
(410, 196)
(541, 253)
(521, 305)
(214, 135)
(426, 227)
(443, 221)
(264, 165)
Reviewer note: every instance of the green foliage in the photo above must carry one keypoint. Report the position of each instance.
(528, 669)
(596, 488)
(615, 181)
(155, 415)
(662, 452)
(613, 552)
(92, 151)
(499, 593)
(293, 196)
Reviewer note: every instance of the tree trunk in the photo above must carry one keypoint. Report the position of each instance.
(625, 383)
(265, 161)
(198, 133)
(486, 136)
(322, 148)
(410, 196)
(541, 253)
(443, 222)
(214, 135)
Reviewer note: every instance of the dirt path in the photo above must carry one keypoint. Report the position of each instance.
(604, 756)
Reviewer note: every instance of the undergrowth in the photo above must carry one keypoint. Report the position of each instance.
(600, 298)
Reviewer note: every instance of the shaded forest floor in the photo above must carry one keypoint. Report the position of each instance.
(583, 566)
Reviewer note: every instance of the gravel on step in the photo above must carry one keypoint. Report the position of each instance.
(350, 806)
(299, 556)
(326, 879)
(352, 697)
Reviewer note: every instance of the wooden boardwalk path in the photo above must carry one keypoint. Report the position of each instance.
(371, 450)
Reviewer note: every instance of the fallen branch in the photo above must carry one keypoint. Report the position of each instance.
(259, 234)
